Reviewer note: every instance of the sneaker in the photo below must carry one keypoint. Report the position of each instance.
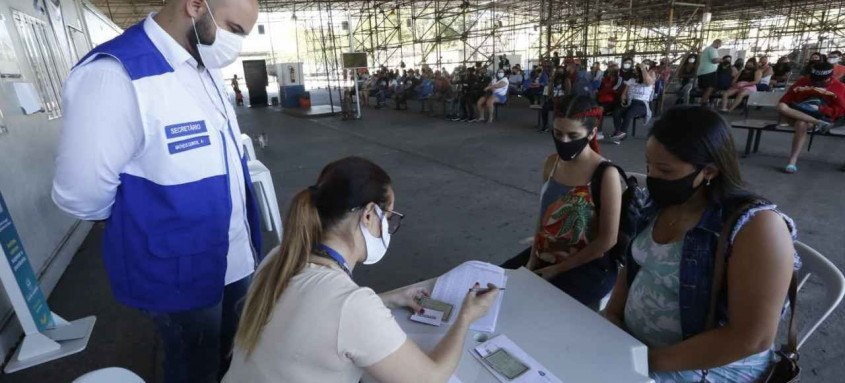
(456, 119)
(790, 169)
(618, 136)
(615, 142)
(600, 136)
(474, 120)
(824, 126)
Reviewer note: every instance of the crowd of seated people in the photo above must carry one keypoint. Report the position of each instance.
(627, 90)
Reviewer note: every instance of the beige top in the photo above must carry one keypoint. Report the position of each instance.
(324, 328)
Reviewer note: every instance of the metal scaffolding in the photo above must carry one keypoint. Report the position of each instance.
(439, 33)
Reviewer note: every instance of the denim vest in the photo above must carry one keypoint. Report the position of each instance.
(697, 261)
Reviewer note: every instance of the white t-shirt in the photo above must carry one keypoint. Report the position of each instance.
(503, 91)
(324, 328)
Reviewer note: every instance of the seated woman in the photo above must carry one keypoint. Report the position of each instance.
(535, 84)
(781, 71)
(495, 93)
(725, 73)
(814, 101)
(686, 72)
(608, 94)
(744, 83)
(306, 320)
(663, 295)
(573, 234)
(635, 101)
(561, 85)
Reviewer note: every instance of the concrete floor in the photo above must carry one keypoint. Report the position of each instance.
(469, 191)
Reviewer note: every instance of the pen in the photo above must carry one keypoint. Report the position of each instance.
(484, 290)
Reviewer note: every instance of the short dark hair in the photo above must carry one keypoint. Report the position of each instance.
(838, 53)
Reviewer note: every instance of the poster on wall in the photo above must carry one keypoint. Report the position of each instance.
(9, 67)
(54, 12)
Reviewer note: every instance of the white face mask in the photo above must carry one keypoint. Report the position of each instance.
(691, 61)
(500, 75)
(376, 247)
(223, 51)
(626, 66)
(833, 60)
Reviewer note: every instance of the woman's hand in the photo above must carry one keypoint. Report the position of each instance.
(548, 273)
(405, 297)
(478, 302)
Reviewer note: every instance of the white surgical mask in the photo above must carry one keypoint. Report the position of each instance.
(500, 75)
(223, 51)
(691, 61)
(833, 60)
(626, 66)
(376, 247)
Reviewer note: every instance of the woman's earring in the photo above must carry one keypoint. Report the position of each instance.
(708, 182)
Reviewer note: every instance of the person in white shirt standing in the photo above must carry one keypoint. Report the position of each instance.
(150, 145)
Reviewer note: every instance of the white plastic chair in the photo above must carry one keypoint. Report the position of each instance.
(249, 147)
(110, 375)
(266, 194)
(834, 283)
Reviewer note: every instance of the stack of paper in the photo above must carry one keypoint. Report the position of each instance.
(453, 287)
(536, 373)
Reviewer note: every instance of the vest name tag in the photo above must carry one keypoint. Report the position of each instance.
(189, 144)
(185, 129)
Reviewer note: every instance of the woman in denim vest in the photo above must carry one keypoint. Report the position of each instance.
(662, 297)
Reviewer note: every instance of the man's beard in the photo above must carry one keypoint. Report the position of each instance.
(206, 30)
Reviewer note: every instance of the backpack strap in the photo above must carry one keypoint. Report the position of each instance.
(596, 181)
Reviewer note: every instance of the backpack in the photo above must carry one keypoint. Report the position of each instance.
(635, 204)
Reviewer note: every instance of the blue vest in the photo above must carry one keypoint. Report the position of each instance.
(166, 242)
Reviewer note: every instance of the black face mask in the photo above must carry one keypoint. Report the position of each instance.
(672, 192)
(567, 151)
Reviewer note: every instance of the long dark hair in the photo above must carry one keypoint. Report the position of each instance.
(574, 107)
(343, 185)
(702, 137)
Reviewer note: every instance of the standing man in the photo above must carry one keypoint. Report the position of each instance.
(708, 63)
(151, 146)
(239, 97)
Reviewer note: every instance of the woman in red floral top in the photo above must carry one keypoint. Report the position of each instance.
(573, 236)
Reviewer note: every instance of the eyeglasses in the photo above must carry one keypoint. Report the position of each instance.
(394, 221)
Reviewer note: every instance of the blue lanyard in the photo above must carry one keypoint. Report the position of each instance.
(334, 255)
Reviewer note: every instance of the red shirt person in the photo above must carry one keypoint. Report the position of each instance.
(814, 101)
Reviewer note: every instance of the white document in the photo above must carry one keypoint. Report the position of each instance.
(432, 317)
(28, 97)
(536, 372)
(453, 287)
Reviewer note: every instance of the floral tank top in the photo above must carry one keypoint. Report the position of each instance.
(567, 219)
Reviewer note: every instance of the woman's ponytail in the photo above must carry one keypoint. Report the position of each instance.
(302, 230)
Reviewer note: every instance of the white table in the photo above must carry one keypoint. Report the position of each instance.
(569, 339)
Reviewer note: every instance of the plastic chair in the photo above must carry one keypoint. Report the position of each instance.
(109, 375)
(249, 147)
(816, 264)
(266, 194)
